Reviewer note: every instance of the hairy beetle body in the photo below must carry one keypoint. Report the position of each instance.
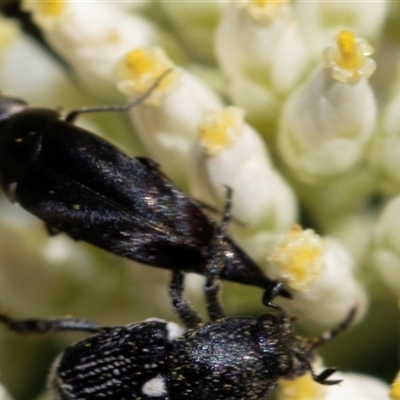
(225, 358)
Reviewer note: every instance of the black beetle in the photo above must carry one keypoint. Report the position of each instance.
(225, 358)
(79, 183)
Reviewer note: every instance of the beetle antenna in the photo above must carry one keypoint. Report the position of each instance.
(72, 115)
(330, 334)
(41, 325)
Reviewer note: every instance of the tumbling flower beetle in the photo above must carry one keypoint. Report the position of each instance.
(80, 184)
(238, 358)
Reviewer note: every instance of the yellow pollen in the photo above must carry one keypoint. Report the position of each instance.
(260, 3)
(51, 8)
(140, 68)
(268, 3)
(302, 388)
(298, 257)
(219, 130)
(350, 56)
(139, 62)
(395, 388)
(263, 10)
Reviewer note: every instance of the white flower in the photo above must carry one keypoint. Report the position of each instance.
(353, 386)
(385, 253)
(349, 60)
(44, 82)
(230, 152)
(91, 37)
(319, 20)
(167, 121)
(319, 273)
(385, 148)
(327, 122)
(194, 22)
(259, 41)
(4, 395)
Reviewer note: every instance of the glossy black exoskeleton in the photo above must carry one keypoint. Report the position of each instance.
(225, 358)
(80, 184)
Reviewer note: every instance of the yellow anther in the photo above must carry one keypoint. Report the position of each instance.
(395, 388)
(349, 58)
(263, 10)
(350, 55)
(298, 257)
(302, 388)
(140, 68)
(220, 130)
(260, 3)
(140, 62)
(47, 8)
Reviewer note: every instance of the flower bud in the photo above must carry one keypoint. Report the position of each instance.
(4, 395)
(319, 20)
(91, 38)
(384, 154)
(195, 22)
(327, 122)
(385, 253)
(45, 83)
(259, 41)
(230, 152)
(319, 274)
(352, 386)
(167, 121)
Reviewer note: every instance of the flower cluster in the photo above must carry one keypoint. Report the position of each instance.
(294, 105)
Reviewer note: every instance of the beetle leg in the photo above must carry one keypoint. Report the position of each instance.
(217, 263)
(182, 306)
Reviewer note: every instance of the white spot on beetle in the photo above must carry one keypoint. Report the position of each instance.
(174, 330)
(155, 387)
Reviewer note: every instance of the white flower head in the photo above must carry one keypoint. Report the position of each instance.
(4, 395)
(319, 273)
(385, 253)
(384, 153)
(167, 121)
(91, 37)
(140, 68)
(326, 124)
(349, 59)
(297, 258)
(301, 388)
(352, 386)
(220, 130)
(48, 13)
(259, 41)
(41, 80)
(229, 152)
(194, 22)
(319, 20)
(264, 11)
